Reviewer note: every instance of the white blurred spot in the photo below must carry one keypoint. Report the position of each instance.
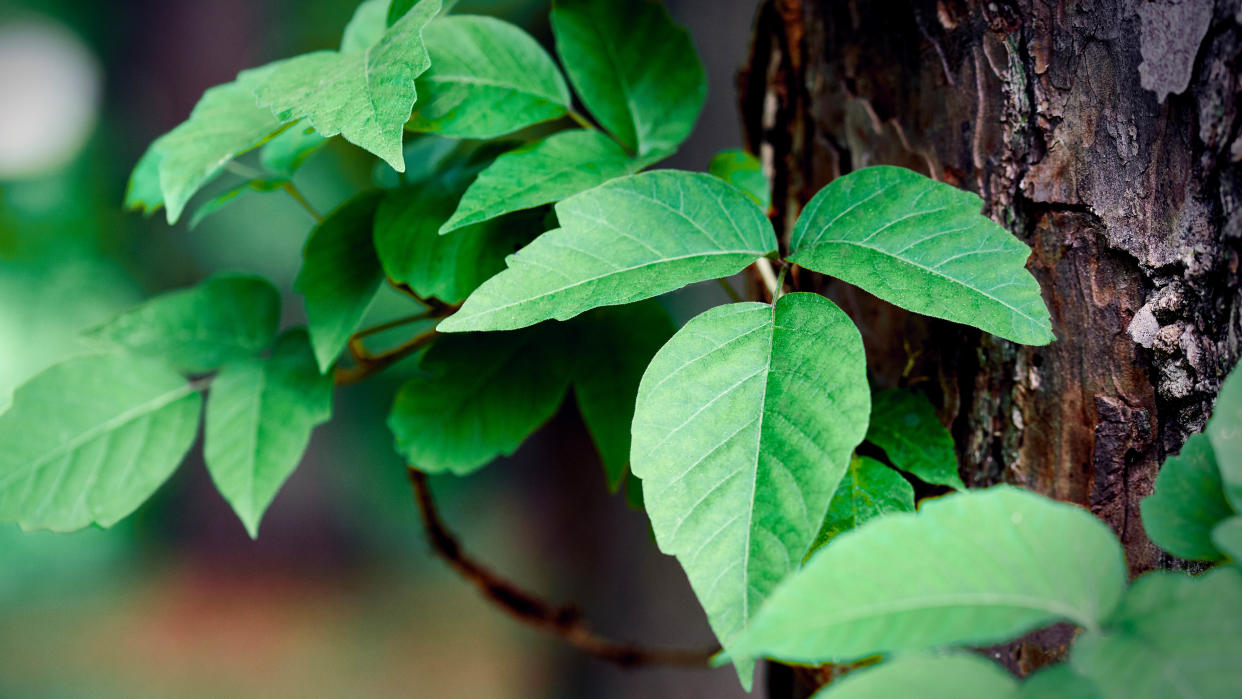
(49, 97)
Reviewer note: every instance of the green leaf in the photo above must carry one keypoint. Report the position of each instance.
(1174, 636)
(223, 199)
(446, 267)
(487, 78)
(635, 70)
(368, 23)
(143, 192)
(869, 490)
(927, 676)
(284, 154)
(1058, 682)
(617, 344)
(479, 397)
(260, 414)
(88, 441)
(225, 123)
(629, 239)
(557, 167)
(1187, 503)
(1227, 535)
(744, 171)
(924, 246)
(366, 95)
(1225, 432)
(742, 430)
(226, 317)
(340, 276)
(972, 568)
(905, 426)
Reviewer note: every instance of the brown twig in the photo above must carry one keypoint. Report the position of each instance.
(563, 621)
(369, 364)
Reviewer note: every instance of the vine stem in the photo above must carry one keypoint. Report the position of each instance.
(764, 265)
(563, 621)
(294, 192)
(581, 120)
(728, 289)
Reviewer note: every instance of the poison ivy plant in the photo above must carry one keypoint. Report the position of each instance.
(533, 265)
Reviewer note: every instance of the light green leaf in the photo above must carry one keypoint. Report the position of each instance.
(635, 70)
(367, 25)
(260, 414)
(226, 317)
(927, 676)
(869, 490)
(445, 267)
(1187, 503)
(972, 568)
(225, 123)
(223, 199)
(1227, 535)
(88, 441)
(905, 426)
(557, 167)
(340, 276)
(1225, 432)
(742, 430)
(617, 344)
(487, 78)
(479, 397)
(284, 154)
(1174, 636)
(629, 239)
(366, 96)
(744, 171)
(924, 246)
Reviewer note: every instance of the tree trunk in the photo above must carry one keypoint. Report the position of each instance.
(1103, 133)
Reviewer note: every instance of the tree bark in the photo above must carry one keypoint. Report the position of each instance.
(1105, 134)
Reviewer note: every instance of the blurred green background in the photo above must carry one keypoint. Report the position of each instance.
(339, 596)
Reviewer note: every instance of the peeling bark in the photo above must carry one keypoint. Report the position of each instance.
(1103, 133)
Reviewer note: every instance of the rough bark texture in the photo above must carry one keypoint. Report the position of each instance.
(1103, 133)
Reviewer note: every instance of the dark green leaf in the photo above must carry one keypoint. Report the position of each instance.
(224, 318)
(340, 275)
(447, 267)
(924, 246)
(744, 171)
(634, 69)
(1187, 503)
(617, 344)
(927, 676)
(742, 431)
(260, 414)
(557, 167)
(905, 426)
(88, 441)
(487, 78)
(365, 95)
(870, 489)
(629, 239)
(479, 397)
(1058, 682)
(1174, 636)
(971, 568)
